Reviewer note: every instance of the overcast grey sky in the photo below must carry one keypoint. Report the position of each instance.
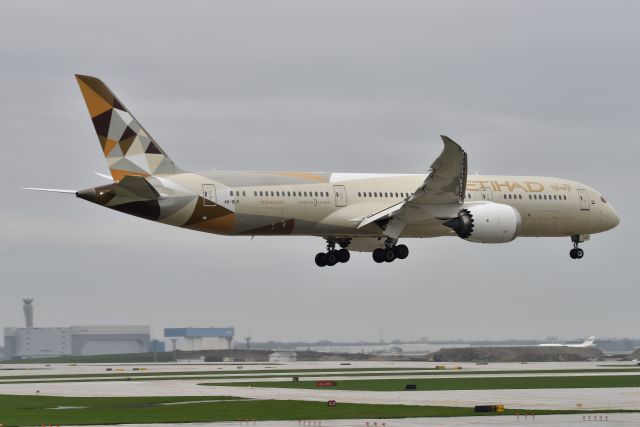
(539, 87)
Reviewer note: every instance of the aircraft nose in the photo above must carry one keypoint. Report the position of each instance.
(611, 218)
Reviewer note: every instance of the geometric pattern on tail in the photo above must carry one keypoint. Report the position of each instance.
(127, 147)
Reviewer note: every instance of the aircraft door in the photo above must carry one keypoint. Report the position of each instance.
(341, 195)
(585, 204)
(209, 194)
(486, 194)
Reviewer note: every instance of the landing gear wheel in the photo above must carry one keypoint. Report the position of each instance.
(332, 258)
(378, 255)
(401, 251)
(344, 255)
(389, 255)
(321, 259)
(576, 252)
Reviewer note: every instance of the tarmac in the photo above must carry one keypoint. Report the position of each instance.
(622, 420)
(15, 369)
(581, 398)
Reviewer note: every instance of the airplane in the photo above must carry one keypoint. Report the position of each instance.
(588, 343)
(363, 212)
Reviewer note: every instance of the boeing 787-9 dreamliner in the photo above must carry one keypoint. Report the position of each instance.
(366, 212)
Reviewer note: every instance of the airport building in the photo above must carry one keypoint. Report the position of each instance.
(22, 343)
(197, 339)
(283, 357)
(30, 342)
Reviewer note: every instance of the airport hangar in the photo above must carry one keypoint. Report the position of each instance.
(198, 339)
(22, 343)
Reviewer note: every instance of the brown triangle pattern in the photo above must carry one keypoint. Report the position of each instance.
(128, 133)
(101, 103)
(125, 144)
(118, 105)
(101, 123)
(152, 149)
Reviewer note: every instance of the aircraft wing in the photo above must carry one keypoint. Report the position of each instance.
(447, 179)
(445, 184)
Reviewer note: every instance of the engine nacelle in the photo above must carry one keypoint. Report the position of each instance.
(487, 223)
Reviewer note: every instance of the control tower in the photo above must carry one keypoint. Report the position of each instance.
(28, 312)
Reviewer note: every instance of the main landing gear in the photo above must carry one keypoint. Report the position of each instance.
(333, 255)
(390, 252)
(576, 252)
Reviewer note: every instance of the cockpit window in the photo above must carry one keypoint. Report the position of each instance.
(603, 199)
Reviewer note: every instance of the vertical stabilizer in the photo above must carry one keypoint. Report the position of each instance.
(128, 148)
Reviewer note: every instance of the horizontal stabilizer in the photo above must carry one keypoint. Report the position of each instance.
(51, 190)
(101, 175)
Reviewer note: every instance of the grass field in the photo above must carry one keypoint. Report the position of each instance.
(38, 410)
(462, 383)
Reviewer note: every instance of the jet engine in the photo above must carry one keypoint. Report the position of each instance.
(486, 223)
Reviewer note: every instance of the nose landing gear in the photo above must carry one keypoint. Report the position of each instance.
(390, 252)
(576, 252)
(334, 256)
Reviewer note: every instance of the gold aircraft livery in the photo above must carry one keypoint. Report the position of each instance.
(351, 211)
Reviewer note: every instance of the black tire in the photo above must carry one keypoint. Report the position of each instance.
(344, 255)
(332, 258)
(321, 259)
(389, 255)
(378, 255)
(572, 253)
(401, 251)
(579, 253)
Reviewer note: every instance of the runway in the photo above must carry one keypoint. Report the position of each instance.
(567, 399)
(622, 420)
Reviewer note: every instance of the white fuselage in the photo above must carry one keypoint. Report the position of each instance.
(335, 203)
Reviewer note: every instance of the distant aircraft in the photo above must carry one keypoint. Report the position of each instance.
(352, 211)
(590, 342)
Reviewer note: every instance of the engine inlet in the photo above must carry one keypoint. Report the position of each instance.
(462, 224)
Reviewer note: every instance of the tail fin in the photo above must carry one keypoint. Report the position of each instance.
(128, 148)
